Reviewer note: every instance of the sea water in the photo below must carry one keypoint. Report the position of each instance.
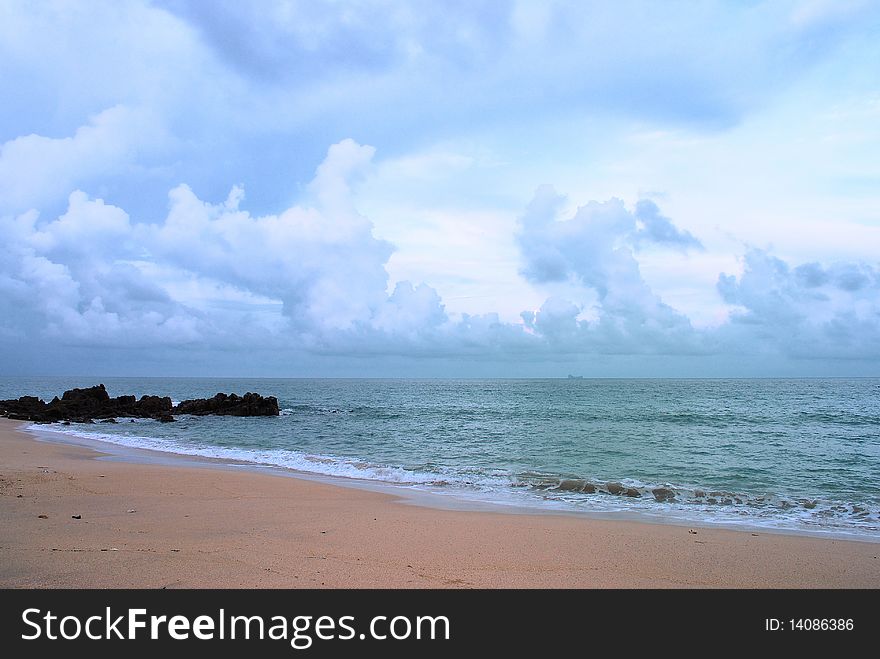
(792, 454)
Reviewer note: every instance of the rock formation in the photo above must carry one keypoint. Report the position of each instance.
(86, 405)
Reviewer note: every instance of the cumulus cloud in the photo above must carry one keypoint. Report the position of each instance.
(596, 244)
(809, 310)
(595, 249)
(321, 260)
(806, 311)
(36, 170)
(659, 230)
(312, 276)
(313, 279)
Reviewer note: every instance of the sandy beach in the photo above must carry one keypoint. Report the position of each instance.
(161, 526)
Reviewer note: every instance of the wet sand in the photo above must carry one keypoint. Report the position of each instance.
(160, 525)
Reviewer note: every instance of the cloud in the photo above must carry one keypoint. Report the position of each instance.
(37, 170)
(313, 277)
(706, 67)
(595, 249)
(657, 229)
(313, 280)
(807, 311)
(289, 39)
(309, 275)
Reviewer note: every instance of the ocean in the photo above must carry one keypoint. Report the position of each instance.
(800, 455)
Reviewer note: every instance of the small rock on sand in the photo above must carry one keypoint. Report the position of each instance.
(43, 516)
(76, 517)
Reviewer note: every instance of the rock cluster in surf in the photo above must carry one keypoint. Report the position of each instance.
(94, 403)
(231, 405)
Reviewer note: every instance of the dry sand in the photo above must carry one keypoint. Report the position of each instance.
(156, 526)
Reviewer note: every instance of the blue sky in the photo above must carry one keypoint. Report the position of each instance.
(440, 188)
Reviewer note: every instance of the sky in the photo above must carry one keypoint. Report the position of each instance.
(371, 188)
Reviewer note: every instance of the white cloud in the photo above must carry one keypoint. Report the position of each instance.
(808, 311)
(92, 275)
(37, 170)
(314, 278)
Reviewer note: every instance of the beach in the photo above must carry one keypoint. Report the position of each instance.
(167, 526)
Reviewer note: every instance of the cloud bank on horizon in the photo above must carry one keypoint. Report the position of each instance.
(376, 188)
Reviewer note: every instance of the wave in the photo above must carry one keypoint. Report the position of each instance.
(536, 489)
(326, 465)
(376, 413)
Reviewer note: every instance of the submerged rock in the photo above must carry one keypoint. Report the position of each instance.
(614, 488)
(663, 494)
(576, 485)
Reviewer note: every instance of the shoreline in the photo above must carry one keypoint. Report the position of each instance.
(196, 526)
(424, 496)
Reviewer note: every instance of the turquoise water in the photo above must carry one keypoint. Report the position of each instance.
(801, 454)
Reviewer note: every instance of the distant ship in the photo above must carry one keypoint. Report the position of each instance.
(575, 377)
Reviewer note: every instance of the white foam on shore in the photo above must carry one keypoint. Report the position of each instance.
(311, 463)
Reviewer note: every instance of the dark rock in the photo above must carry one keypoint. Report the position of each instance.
(85, 405)
(576, 485)
(76, 517)
(153, 406)
(614, 488)
(231, 405)
(699, 493)
(632, 492)
(93, 396)
(43, 516)
(663, 494)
